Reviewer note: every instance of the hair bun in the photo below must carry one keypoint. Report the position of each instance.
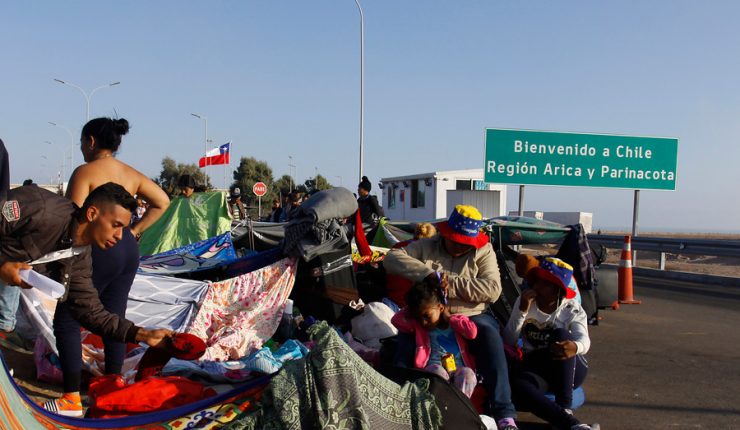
(120, 126)
(365, 179)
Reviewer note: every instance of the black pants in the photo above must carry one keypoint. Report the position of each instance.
(539, 373)
(113, 273)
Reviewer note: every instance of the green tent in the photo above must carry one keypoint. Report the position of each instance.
(186, 221)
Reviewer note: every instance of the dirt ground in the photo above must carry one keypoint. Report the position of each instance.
(24, 373)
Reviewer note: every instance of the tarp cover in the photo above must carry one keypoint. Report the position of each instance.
(195, 257)
(186, 221)
(515, 230)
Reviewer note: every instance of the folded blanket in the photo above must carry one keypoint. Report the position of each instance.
(327, 204)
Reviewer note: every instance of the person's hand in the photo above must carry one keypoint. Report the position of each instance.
(10, 272)
(154, 338)
(526, 300)
(438, 280)
(563, 350)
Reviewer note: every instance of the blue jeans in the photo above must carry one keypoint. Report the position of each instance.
(490, 360)
(9, 299)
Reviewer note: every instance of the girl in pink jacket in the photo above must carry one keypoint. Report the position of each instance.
(438, 333)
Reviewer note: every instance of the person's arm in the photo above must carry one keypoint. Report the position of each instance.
(485, 287)
(514, 326)
(158, 204)
(85, 307)
(77, 188)
(463, 325)
(407, 262)
(579, 329)
(10, 270)
(376, 207)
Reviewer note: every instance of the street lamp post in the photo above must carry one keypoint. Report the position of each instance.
(291, 167)
(362, 85)
(71, 144)
(205, 137)
(86, 95)
(64, 155)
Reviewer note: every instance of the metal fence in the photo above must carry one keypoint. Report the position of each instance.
(663, 245)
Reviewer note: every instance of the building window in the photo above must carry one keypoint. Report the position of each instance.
(463, 184)
(418, 190)
(391, 197)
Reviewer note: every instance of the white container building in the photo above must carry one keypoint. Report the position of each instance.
(433, 195)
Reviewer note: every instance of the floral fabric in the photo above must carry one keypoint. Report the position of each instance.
(239, 314)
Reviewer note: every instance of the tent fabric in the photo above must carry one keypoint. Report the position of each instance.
(388, 234)
(334, 388)
(258, 235)
(239, 314)
(186, 221)
(203, 255)
(164, 301)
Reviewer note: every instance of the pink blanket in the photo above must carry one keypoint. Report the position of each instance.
(238, 315)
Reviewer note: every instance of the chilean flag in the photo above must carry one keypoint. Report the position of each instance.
(216, 156)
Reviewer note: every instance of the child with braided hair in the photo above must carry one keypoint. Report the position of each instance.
(441, 337)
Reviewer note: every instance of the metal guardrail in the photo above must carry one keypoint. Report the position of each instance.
(715, 247)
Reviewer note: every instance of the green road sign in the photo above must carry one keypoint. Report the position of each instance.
(580, 160)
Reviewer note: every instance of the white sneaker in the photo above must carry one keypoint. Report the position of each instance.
(594, 426)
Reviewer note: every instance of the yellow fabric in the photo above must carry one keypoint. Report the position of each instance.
(560, 263)
(469, 212)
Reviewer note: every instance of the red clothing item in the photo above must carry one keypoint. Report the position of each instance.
(111, 398)
(461, 325)
(397, 286)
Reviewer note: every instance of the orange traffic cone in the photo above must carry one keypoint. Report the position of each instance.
(625, 274)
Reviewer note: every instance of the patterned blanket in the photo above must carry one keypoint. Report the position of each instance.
(239, 314)
(333, 388)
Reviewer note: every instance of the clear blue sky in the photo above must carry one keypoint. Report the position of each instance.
(281, 78)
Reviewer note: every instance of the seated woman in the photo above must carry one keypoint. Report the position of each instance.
(554, 332)
(441, 345)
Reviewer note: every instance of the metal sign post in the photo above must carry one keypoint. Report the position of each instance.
(521, 200)
(259, 189)
(635, 213)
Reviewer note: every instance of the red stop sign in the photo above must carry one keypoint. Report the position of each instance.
(259, 189)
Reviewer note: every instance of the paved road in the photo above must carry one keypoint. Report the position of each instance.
(672, 362)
